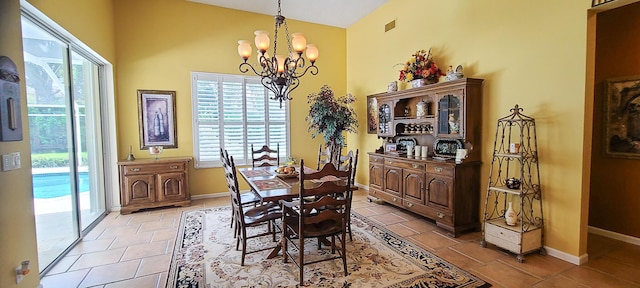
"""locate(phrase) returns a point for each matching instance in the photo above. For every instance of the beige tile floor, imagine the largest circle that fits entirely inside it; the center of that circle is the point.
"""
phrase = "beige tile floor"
(135, 251)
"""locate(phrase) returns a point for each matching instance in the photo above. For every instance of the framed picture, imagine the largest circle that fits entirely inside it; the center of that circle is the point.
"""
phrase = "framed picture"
(372, 115)
(622, 117)
(390, 147)
(157, 118)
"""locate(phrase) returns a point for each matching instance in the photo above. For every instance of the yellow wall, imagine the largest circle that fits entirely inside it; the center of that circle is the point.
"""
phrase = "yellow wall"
(17, 221)
(531, 54)
(160, 42)
(90, 21)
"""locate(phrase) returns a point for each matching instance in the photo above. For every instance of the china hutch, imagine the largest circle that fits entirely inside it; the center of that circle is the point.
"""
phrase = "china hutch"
(444, 117)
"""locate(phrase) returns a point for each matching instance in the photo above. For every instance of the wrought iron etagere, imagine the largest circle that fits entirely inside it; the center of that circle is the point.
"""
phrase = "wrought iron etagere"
(515, 159)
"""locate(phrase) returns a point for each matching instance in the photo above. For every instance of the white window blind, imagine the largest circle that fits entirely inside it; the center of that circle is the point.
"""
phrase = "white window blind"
(232, 112)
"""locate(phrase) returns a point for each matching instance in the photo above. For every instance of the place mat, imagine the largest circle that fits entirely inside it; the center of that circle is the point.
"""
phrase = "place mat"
(270, 184)
(256, 173)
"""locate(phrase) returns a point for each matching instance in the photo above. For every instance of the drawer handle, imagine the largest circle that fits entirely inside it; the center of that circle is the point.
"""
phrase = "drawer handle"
(373, 192)
(394, 199)
(174, 166)
(438, 169)
(409, 204)
(440, 215)
(416, 166)
(390, 162)
(135, 169)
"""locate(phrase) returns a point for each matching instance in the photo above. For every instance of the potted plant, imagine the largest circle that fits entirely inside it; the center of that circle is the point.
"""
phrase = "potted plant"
(331, 116)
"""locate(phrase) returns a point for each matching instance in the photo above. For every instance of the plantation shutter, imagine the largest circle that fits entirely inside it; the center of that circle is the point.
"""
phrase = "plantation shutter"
(232, 112)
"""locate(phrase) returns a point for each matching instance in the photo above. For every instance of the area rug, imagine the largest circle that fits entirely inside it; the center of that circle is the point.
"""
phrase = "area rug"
(205, 257)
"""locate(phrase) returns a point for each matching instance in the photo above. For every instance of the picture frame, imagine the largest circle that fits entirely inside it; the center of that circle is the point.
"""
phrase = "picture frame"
(372, 115)
(157, 118)
(390, 147)
(622, 117)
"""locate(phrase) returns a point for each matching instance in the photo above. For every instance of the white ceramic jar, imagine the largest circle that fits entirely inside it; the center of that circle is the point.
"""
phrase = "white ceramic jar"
(421, 109)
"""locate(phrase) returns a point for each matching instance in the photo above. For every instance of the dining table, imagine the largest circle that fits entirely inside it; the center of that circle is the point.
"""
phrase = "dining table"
(273, 187)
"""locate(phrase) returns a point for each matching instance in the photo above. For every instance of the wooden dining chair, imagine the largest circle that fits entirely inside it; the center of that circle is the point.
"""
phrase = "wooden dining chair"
(265, 156)
(321, 212)
(266, 213)
(349, 161)
(344, 163)
(324, 157)
(247, 199)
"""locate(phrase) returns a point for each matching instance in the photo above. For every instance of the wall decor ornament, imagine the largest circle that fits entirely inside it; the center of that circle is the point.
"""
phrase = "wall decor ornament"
(157, 119)
(622, 117)
(10, 111)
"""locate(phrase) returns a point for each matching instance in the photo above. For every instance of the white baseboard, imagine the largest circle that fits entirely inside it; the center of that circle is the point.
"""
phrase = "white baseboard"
(614, 235)
(209, 196)
(577, 260)
(361, 186)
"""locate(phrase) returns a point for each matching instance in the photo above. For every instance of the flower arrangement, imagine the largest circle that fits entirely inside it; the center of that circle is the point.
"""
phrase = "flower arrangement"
(331, 116)
(419, 66)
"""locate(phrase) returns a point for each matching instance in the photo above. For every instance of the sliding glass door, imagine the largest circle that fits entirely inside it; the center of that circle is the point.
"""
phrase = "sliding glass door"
(63, 100)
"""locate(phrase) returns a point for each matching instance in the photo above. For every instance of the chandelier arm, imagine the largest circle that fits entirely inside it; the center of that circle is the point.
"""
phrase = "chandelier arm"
(244, 69)
(313, 70)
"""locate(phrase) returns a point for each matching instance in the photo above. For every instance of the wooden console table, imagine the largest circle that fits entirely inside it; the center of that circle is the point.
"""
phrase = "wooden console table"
(150, 183)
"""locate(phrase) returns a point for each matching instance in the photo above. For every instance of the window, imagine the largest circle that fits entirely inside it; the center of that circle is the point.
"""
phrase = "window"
(232, 112)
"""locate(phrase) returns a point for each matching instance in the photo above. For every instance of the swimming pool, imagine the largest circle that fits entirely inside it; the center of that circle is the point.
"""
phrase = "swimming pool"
(51, 185)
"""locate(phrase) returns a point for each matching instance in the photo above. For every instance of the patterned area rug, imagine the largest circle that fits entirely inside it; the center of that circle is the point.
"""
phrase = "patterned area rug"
(205, 257)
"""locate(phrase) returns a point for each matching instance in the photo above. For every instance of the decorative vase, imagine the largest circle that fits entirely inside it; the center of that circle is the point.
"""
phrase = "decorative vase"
(418, 82)
(510, 216)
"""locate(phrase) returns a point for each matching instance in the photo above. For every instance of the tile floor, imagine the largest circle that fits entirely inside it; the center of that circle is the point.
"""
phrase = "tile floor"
(135, 251)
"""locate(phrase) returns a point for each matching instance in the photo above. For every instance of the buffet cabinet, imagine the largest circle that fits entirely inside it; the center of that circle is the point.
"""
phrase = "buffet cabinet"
(443, 191)
(440, 118)
(151, 183)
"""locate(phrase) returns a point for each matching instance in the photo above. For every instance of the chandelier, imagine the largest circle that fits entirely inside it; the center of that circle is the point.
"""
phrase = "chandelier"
(279, 74)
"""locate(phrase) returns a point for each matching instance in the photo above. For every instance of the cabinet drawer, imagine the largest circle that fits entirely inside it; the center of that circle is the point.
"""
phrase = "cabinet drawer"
(146, 169)
(441, 169)
(440, 216)
(395, 200)
(404, 164)
(511, 240)
(376, 160)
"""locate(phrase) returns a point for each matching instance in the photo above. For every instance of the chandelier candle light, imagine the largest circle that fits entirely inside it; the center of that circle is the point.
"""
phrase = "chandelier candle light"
(279, 74)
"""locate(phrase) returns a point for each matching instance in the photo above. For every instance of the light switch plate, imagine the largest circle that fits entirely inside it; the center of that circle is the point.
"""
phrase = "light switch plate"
(11, 161)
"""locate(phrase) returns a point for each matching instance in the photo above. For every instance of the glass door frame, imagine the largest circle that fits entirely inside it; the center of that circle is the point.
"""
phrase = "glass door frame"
(107, 116)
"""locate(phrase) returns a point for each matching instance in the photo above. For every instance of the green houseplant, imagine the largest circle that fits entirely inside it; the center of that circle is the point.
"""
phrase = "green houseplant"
(331, 116)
